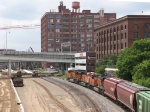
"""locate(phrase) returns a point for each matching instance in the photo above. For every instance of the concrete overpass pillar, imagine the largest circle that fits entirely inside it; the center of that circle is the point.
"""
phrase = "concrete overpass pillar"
(61, 67)
(9, 68)
(66, 67)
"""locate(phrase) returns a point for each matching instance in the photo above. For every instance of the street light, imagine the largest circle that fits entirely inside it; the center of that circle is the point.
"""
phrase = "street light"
(4, 43)
(6, 40)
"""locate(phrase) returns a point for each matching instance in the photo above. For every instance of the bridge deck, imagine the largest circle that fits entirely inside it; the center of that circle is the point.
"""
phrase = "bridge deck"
(37, 56)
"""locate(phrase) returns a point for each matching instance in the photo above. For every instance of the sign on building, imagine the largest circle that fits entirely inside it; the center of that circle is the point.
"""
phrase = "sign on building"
(66, 44)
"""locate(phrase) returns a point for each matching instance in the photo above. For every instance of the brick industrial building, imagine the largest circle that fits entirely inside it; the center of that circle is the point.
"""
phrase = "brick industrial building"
(75, 27)
(114, 36)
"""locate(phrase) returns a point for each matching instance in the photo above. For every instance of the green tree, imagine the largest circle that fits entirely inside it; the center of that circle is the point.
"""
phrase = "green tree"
(141, 73)
(131, 57)
(37, 64)
(100, 69)
(110, 59)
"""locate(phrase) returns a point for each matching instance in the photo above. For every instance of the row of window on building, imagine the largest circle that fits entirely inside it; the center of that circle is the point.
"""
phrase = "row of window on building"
(123, 36)
(111, 38)
(73, 45)
(68, 49)
(72, 16)
(118, 28)
(70, 35)
(72, 40)
(112, 47)
(146, 26)
(71, 25)
(111, 30)
(75, 21)
(70, 30)
(146, 35)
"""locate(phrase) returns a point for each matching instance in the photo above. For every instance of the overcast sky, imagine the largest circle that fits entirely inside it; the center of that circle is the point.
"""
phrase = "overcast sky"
(26, 12)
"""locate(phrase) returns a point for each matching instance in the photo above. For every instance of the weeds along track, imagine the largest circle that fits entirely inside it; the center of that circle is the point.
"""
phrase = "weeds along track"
(63, 107)
(86, 103)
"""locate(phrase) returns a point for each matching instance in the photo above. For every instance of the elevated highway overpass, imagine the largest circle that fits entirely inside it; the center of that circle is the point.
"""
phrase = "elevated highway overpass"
(17, 56)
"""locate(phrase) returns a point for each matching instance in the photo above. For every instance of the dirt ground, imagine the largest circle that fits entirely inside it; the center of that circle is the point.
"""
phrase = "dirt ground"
(7, 97)
(38, 95)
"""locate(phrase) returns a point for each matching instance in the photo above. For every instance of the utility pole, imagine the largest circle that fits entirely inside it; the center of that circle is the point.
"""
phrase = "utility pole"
(6, 41)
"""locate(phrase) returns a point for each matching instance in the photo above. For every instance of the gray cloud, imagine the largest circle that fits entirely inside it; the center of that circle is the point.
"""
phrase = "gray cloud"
(21, 10)
(30, 12)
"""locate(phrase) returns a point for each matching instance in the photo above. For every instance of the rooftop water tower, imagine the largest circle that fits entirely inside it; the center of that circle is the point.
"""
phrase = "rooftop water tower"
(75, 6)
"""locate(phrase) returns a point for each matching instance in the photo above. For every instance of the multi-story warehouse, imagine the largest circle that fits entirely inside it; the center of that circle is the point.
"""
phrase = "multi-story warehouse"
(114, 36)
(73, 27)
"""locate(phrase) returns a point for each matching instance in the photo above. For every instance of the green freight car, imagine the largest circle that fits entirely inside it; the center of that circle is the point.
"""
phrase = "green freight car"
(143, 101)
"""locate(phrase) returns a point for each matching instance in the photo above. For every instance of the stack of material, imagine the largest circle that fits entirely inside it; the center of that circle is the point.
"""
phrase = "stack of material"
(5, 72)
(35, 74)
(26, 72)
(18, 82)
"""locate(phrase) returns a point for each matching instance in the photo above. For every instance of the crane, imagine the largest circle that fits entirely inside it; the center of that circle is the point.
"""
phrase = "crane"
(31, 26)
(32, 49)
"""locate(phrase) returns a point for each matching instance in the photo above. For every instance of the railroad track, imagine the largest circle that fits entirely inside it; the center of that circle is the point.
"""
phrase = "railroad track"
(63, 95)
(86, 103)
(41, 96)
(62, 106)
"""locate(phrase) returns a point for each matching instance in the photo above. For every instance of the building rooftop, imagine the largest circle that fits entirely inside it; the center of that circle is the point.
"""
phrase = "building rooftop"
(121, 19)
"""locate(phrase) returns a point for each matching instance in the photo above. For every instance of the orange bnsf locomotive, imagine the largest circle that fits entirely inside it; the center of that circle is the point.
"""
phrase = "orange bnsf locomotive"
(131, 95)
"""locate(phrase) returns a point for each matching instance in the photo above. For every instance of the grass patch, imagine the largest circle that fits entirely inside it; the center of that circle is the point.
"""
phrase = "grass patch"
(42, 70)
(64, 76)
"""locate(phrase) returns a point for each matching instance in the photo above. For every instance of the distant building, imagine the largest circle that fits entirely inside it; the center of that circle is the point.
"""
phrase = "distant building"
(74, 27)
(114, 36)
(85, 61)
(7, 50)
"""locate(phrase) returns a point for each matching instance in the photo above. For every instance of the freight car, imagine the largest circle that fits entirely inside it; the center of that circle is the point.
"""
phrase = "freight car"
(131, 95)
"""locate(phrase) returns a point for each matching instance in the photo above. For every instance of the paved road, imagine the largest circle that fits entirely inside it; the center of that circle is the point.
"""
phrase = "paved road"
(7, 97)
